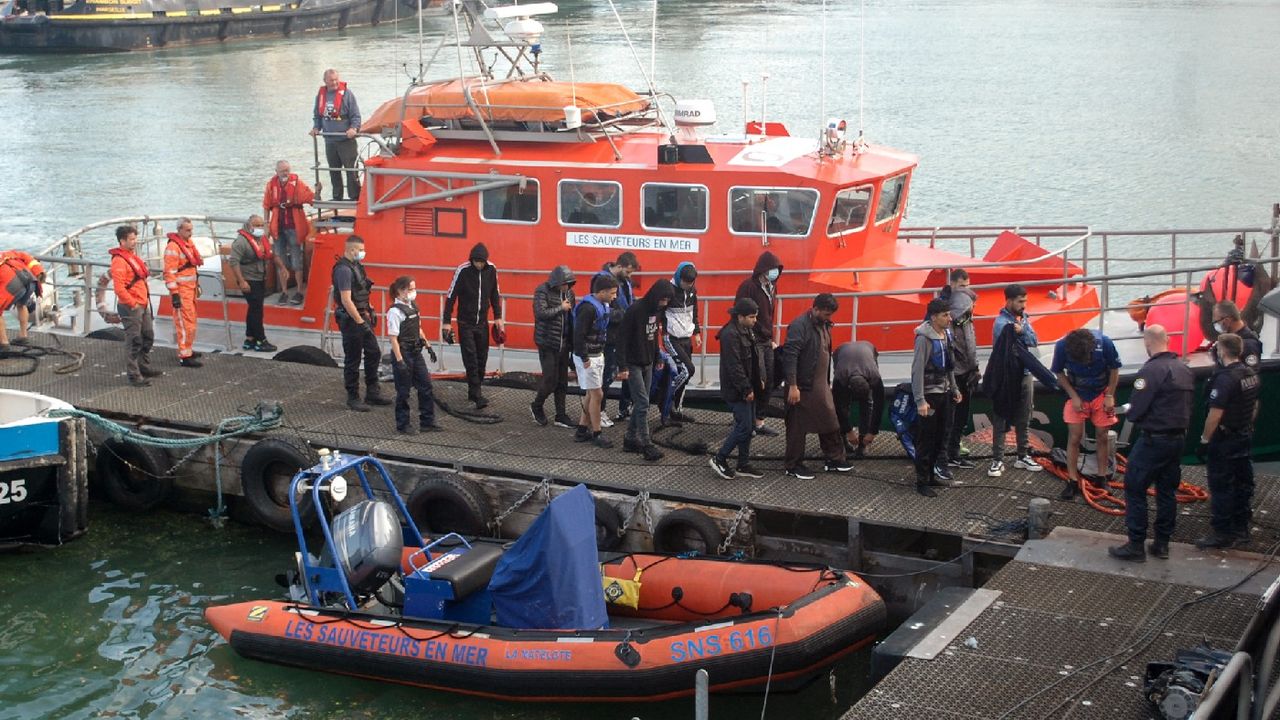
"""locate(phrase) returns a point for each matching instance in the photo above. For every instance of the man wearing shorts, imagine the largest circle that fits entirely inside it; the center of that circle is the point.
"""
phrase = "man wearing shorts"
(287, 224)
(590, 331)
(1088, 368)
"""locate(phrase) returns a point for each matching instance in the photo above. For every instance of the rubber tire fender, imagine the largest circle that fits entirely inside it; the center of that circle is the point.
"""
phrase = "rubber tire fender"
(266, 474)
(306, 355)
(135, 477)
(608, 520)
(681, 530)
(446, 504)
(107, 333)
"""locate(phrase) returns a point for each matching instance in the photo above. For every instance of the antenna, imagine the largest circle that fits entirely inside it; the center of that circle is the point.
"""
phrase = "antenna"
(457, 42)
(862, 63)
(653, 43)
(648, 79)
(822, 103)
(421, 70)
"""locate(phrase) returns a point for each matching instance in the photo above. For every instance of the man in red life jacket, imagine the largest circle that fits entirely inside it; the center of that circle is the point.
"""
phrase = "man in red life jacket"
(133, 303)
(20, 278)
(337, 117)
(181, 262)
(287, 224)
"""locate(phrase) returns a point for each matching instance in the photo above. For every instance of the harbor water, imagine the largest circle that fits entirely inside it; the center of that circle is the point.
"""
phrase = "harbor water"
(1119, 115)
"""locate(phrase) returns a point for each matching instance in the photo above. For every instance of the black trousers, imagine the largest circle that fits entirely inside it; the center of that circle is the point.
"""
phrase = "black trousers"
(684, 352)
(410, 375)
(358, 343)
(555, 376)
(343, 153)
(870, 411)
(968, 382)
(931, 432)
(253, 297)
(473, 340)
(769, 379)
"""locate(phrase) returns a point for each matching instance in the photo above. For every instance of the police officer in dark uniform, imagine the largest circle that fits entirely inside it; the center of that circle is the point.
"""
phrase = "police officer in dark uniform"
(351, 288)
(1226, 319)
(1161, 407)
(1228, 431)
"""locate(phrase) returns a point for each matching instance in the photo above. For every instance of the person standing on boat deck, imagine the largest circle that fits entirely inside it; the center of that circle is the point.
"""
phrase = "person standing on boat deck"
(620, 271)
(961, 298)
(181, 264)
(590, 330)
(1013, 315)
(1226, 439)
(806, 368)
(287, 224)
(337, 117)
(933, 385)
(20, 278)
(684, 331)
(741, 363)
(762, 287)
(553, 304)
(639, 336)
(404, 326)
(1160, 405)
(856, 378)
(475, 290)
(351, 288)
(1088, 370)
(133, 302)
(250, 255)
(1226, 319)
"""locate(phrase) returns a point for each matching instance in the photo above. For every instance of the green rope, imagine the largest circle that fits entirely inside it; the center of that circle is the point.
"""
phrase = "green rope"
(267, 416)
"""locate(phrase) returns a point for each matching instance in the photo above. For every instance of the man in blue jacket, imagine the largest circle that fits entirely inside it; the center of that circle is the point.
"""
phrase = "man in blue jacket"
(1014, 314)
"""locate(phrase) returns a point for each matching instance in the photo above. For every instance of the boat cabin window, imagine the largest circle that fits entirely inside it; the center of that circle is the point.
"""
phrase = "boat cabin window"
(590, 202)
(849, 213)
(674, 207)
(510, 204)
(779, 211)
(890, 198)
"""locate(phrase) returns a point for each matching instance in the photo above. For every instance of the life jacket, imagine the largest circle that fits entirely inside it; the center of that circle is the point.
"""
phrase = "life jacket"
(17, 284)
(600, 329)
(410, 336)
(940, 361)
(260, 246)
(139, 270)
(337, 102)
(189, 252)
(360, 284)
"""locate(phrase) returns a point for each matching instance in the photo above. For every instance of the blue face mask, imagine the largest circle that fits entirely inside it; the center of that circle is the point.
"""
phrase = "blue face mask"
(773, 274)
(359, 255)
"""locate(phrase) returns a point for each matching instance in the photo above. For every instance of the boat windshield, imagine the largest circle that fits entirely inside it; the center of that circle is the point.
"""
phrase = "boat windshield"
(675, 207)
(849, 213)
(780, 211)
(590, 202)
(890, 198)
(511, 204)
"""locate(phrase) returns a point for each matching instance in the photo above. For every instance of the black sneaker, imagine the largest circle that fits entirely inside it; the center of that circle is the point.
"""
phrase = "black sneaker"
(721, 468)
(749, 470)
(190, 362)
(139, 382)
(564, 421)
(601, 441)
(837, 466)
(961, 464)
(539, 415)
(942, 473)
(582, 434)
(355, 403)
(1216, 542)
(430, 427)
(925, 490)
(1130, 551)
(670, 422)
(622, 415)
(766, 431)
(249, 345)
(409, 430)
(1159, 548)
(681, 417)
(799, 472)
(631, 446)
(151, 372)
(651, 453)
(264, 346)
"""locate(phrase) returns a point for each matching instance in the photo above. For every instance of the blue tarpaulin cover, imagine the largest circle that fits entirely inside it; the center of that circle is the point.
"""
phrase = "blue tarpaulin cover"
(550, 578)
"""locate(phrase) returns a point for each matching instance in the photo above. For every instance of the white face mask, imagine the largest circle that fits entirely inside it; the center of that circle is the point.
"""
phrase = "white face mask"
(257, 232)
(359, 255)
(1220, 327)
(773, 274)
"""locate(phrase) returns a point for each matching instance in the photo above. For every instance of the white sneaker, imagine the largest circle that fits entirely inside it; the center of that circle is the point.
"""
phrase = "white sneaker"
(605, 421)
(996, 469)
(1026, 463)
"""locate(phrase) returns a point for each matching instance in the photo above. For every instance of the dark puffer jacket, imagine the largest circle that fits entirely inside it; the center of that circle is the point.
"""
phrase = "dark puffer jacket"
(741, 363)
(549, 326)
(763, 292)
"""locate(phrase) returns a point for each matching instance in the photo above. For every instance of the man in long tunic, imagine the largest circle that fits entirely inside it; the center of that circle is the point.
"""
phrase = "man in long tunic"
(811, 408)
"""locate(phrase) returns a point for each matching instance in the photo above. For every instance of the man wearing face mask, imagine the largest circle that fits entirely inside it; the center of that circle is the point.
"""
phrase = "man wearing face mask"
(1226, 319)
(182, 261)
(351, 288)
(247, 265)
(287, 223)
(762, 288)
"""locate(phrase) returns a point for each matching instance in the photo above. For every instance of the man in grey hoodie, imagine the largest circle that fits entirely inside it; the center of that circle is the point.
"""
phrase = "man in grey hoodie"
(933, 385)
(961, 298)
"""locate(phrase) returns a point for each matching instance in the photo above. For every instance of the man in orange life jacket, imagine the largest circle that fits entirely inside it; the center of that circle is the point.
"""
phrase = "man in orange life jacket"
(20, 278)
(287, 224)
(247, 264)
(181, 260)
(337, 118)
(133, 303)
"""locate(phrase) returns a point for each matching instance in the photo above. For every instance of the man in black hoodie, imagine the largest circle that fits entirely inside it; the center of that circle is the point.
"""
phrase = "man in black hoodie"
(475, 290)
(553, 303)
(761, 288)
(638, 338)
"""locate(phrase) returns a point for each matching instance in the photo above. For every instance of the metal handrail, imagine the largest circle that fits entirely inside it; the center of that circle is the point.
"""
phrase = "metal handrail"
(1238, 672)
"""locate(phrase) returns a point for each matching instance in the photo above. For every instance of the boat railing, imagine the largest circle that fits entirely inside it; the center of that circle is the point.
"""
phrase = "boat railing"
(1247, 679)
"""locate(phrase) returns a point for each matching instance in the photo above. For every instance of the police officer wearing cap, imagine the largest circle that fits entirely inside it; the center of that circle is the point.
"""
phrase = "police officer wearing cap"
(1160, 405)
(1226, 319)
(1228, 431)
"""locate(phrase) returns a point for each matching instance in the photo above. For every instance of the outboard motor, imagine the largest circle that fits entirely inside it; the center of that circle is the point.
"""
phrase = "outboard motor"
(1176, 688)
(369, 545)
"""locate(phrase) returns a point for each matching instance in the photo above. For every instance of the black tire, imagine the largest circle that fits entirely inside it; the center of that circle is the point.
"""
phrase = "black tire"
(108, 333)
(608, 520)
(443, 505)
(135, 477)
(266, 474)
(306, 355)
(687, 530)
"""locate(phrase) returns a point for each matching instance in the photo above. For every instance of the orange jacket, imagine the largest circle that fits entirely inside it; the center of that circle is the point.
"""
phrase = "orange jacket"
(33, 265)
(181, 258)
(293, 196)
(129, 278)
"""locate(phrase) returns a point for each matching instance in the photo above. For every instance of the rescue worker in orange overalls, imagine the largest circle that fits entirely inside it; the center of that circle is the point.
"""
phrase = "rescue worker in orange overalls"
(181, 261)
(20, 279)
(133, 302)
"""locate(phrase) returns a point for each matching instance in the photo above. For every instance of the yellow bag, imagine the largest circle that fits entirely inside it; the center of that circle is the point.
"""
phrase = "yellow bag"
(620, 591)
